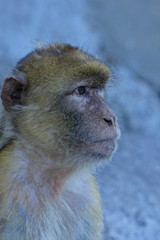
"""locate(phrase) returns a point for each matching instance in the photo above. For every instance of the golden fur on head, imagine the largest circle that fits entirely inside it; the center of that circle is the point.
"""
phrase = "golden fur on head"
(55, 61)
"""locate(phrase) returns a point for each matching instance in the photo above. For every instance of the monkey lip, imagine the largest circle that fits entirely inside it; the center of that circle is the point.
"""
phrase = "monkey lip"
(107, 141)
(104, 140)
(103, 147)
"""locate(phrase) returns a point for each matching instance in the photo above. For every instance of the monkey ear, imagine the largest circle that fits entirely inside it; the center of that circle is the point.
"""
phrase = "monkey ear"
(12, 91)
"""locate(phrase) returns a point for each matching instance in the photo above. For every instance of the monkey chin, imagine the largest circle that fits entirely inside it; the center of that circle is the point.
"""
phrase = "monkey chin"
(99, 150)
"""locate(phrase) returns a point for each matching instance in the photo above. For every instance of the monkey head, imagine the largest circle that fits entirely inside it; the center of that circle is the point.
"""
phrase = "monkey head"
(57, 99)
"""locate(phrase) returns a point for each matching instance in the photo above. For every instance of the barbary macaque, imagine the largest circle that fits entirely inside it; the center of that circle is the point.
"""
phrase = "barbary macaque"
(55, 130)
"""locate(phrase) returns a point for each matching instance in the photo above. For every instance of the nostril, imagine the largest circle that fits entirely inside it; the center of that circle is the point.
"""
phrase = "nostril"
(108, 121)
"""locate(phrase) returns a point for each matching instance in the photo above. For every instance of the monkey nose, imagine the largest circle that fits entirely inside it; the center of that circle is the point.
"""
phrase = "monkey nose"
(111, 120)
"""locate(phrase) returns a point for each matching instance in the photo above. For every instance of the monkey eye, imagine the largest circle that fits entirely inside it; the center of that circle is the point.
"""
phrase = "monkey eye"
(82, 90)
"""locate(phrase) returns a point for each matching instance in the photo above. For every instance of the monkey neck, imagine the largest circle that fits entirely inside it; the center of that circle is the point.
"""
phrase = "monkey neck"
(35, 188)
(42, 172)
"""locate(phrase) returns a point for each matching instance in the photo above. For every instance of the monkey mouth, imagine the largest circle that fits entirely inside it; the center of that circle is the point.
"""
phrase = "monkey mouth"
(101, 141)
(108, 144)
(100, 148)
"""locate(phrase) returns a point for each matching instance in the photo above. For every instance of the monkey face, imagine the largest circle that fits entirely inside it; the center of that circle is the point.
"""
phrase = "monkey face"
(91, 124)
(77, 122)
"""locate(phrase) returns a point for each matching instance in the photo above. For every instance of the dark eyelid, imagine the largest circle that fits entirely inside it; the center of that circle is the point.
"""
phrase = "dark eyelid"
(86, 86)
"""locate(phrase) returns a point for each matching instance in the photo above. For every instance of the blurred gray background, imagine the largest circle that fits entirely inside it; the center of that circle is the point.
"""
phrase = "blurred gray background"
(125, 34)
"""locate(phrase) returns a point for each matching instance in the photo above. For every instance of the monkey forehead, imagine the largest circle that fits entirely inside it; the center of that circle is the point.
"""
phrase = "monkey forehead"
(62, 64)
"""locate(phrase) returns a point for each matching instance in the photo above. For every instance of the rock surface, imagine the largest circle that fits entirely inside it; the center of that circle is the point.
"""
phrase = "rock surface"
(130, 32)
